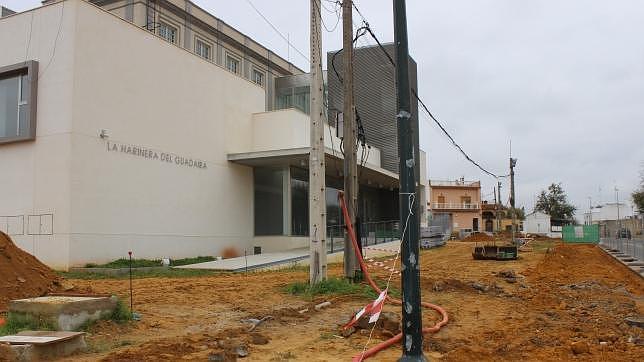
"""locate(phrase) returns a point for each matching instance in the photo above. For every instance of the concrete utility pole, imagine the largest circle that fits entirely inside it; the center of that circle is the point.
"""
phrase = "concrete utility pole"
(317, 195)
(351, 266)
(513, 162)
(412, 341)
(619, 221)
(496, 210)
(498, 207)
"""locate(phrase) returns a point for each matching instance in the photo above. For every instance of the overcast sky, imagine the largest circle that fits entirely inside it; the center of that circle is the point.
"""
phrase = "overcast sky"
(564, 80)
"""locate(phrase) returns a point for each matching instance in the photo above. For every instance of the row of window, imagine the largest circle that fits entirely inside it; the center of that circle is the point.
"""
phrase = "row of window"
(204, 50)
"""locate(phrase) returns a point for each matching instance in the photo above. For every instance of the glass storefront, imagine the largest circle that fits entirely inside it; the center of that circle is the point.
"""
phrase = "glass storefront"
(282, 202)
(269, 200)
(299, 202)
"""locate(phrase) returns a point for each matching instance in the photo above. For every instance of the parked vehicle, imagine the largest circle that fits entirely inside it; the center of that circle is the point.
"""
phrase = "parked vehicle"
(624, 233)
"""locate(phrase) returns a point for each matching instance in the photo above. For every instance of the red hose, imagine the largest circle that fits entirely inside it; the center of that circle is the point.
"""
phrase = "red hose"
(386, 344)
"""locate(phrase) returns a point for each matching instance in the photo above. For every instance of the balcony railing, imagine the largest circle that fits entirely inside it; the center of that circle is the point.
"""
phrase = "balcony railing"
(372, 233)
(455, 206)
(461, 183)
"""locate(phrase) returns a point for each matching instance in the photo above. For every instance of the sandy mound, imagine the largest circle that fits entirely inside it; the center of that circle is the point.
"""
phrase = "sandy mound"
(21, 274)
(479, 237)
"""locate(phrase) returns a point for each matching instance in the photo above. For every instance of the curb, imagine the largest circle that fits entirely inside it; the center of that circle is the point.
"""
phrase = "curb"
(117, 271)
(634, 265)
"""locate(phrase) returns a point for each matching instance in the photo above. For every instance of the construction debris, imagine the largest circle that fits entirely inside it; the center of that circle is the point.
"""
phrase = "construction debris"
(322, 305)
(255, 322)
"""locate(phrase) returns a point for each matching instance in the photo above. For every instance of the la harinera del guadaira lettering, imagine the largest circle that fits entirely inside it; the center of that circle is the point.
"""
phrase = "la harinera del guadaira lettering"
(155, 155)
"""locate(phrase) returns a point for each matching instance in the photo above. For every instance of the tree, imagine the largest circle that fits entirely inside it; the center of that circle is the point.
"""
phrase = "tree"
(555, 203)
(506, 213)
(638, 195)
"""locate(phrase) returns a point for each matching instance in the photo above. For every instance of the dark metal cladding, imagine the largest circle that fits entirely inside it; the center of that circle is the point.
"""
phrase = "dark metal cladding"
(375, 98)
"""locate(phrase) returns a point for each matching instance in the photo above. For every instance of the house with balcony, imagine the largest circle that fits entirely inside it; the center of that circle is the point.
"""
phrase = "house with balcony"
(460, 200)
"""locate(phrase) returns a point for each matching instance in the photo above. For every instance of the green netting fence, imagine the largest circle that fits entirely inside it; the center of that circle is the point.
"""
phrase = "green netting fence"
(581, 234)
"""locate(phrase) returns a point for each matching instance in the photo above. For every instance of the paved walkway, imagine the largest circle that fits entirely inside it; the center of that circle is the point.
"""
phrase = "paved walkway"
(295, 256)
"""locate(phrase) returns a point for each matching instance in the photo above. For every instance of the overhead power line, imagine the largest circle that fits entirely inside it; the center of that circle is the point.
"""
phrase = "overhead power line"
(277, 31)
(367, 28)
(456, 145)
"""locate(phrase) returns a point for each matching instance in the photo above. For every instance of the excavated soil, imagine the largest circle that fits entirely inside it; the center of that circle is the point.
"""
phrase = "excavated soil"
(21, 274)
(479, 237)
(557, 302)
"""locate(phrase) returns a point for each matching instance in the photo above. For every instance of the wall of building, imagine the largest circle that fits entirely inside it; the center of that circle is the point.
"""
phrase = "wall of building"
(453, 194)
(35, 176)
(158, 96)
(462, 215)
(537, 223)
(149, 95)
(192, 23)
(609, 228)
(290, 129)
(608, 211)
(465, 220)
(375, 97)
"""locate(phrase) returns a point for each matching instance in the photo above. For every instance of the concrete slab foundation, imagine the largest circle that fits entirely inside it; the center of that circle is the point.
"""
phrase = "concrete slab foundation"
(65, 313)
(296, 256)
(41, 345)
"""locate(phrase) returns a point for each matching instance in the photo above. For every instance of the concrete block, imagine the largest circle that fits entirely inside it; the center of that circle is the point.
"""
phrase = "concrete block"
(65, 313)
(30, 346)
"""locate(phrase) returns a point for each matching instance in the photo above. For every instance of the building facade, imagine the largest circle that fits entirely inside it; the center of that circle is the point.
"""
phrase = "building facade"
(460, 199)
(608, 211)
(613, 216)
(376, 109)
(537, 223)
(186, 25)
(119, 137)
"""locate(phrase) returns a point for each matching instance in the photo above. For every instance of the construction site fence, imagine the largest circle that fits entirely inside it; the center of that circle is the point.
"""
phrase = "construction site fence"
(371, 233)
(580, 234)
(631, 247)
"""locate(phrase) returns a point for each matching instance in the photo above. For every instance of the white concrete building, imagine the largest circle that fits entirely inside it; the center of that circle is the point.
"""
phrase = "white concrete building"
(537, 223)
(114, 139)
(607, 212)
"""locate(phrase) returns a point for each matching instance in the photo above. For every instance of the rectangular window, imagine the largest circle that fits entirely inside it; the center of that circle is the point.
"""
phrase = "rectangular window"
(203, 49)
(168, 32)
(18, 102)
(232, 64)
(302, 99)
(258, 77)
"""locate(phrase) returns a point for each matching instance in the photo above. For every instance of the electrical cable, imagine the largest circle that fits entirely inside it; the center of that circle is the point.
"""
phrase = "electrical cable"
(31, 25)
(53, 53)
(277, 31)
(338, 17)
(456, 145)
(431, 116)
(372, 351)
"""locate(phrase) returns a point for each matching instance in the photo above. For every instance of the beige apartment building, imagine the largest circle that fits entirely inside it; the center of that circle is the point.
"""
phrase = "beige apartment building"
(460, 199)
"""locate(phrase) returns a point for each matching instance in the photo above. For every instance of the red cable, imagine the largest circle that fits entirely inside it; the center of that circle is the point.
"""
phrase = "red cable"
(386, 344)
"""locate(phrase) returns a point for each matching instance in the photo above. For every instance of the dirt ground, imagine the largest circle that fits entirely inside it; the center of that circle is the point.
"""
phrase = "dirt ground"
(21, 274)
(550, 298)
